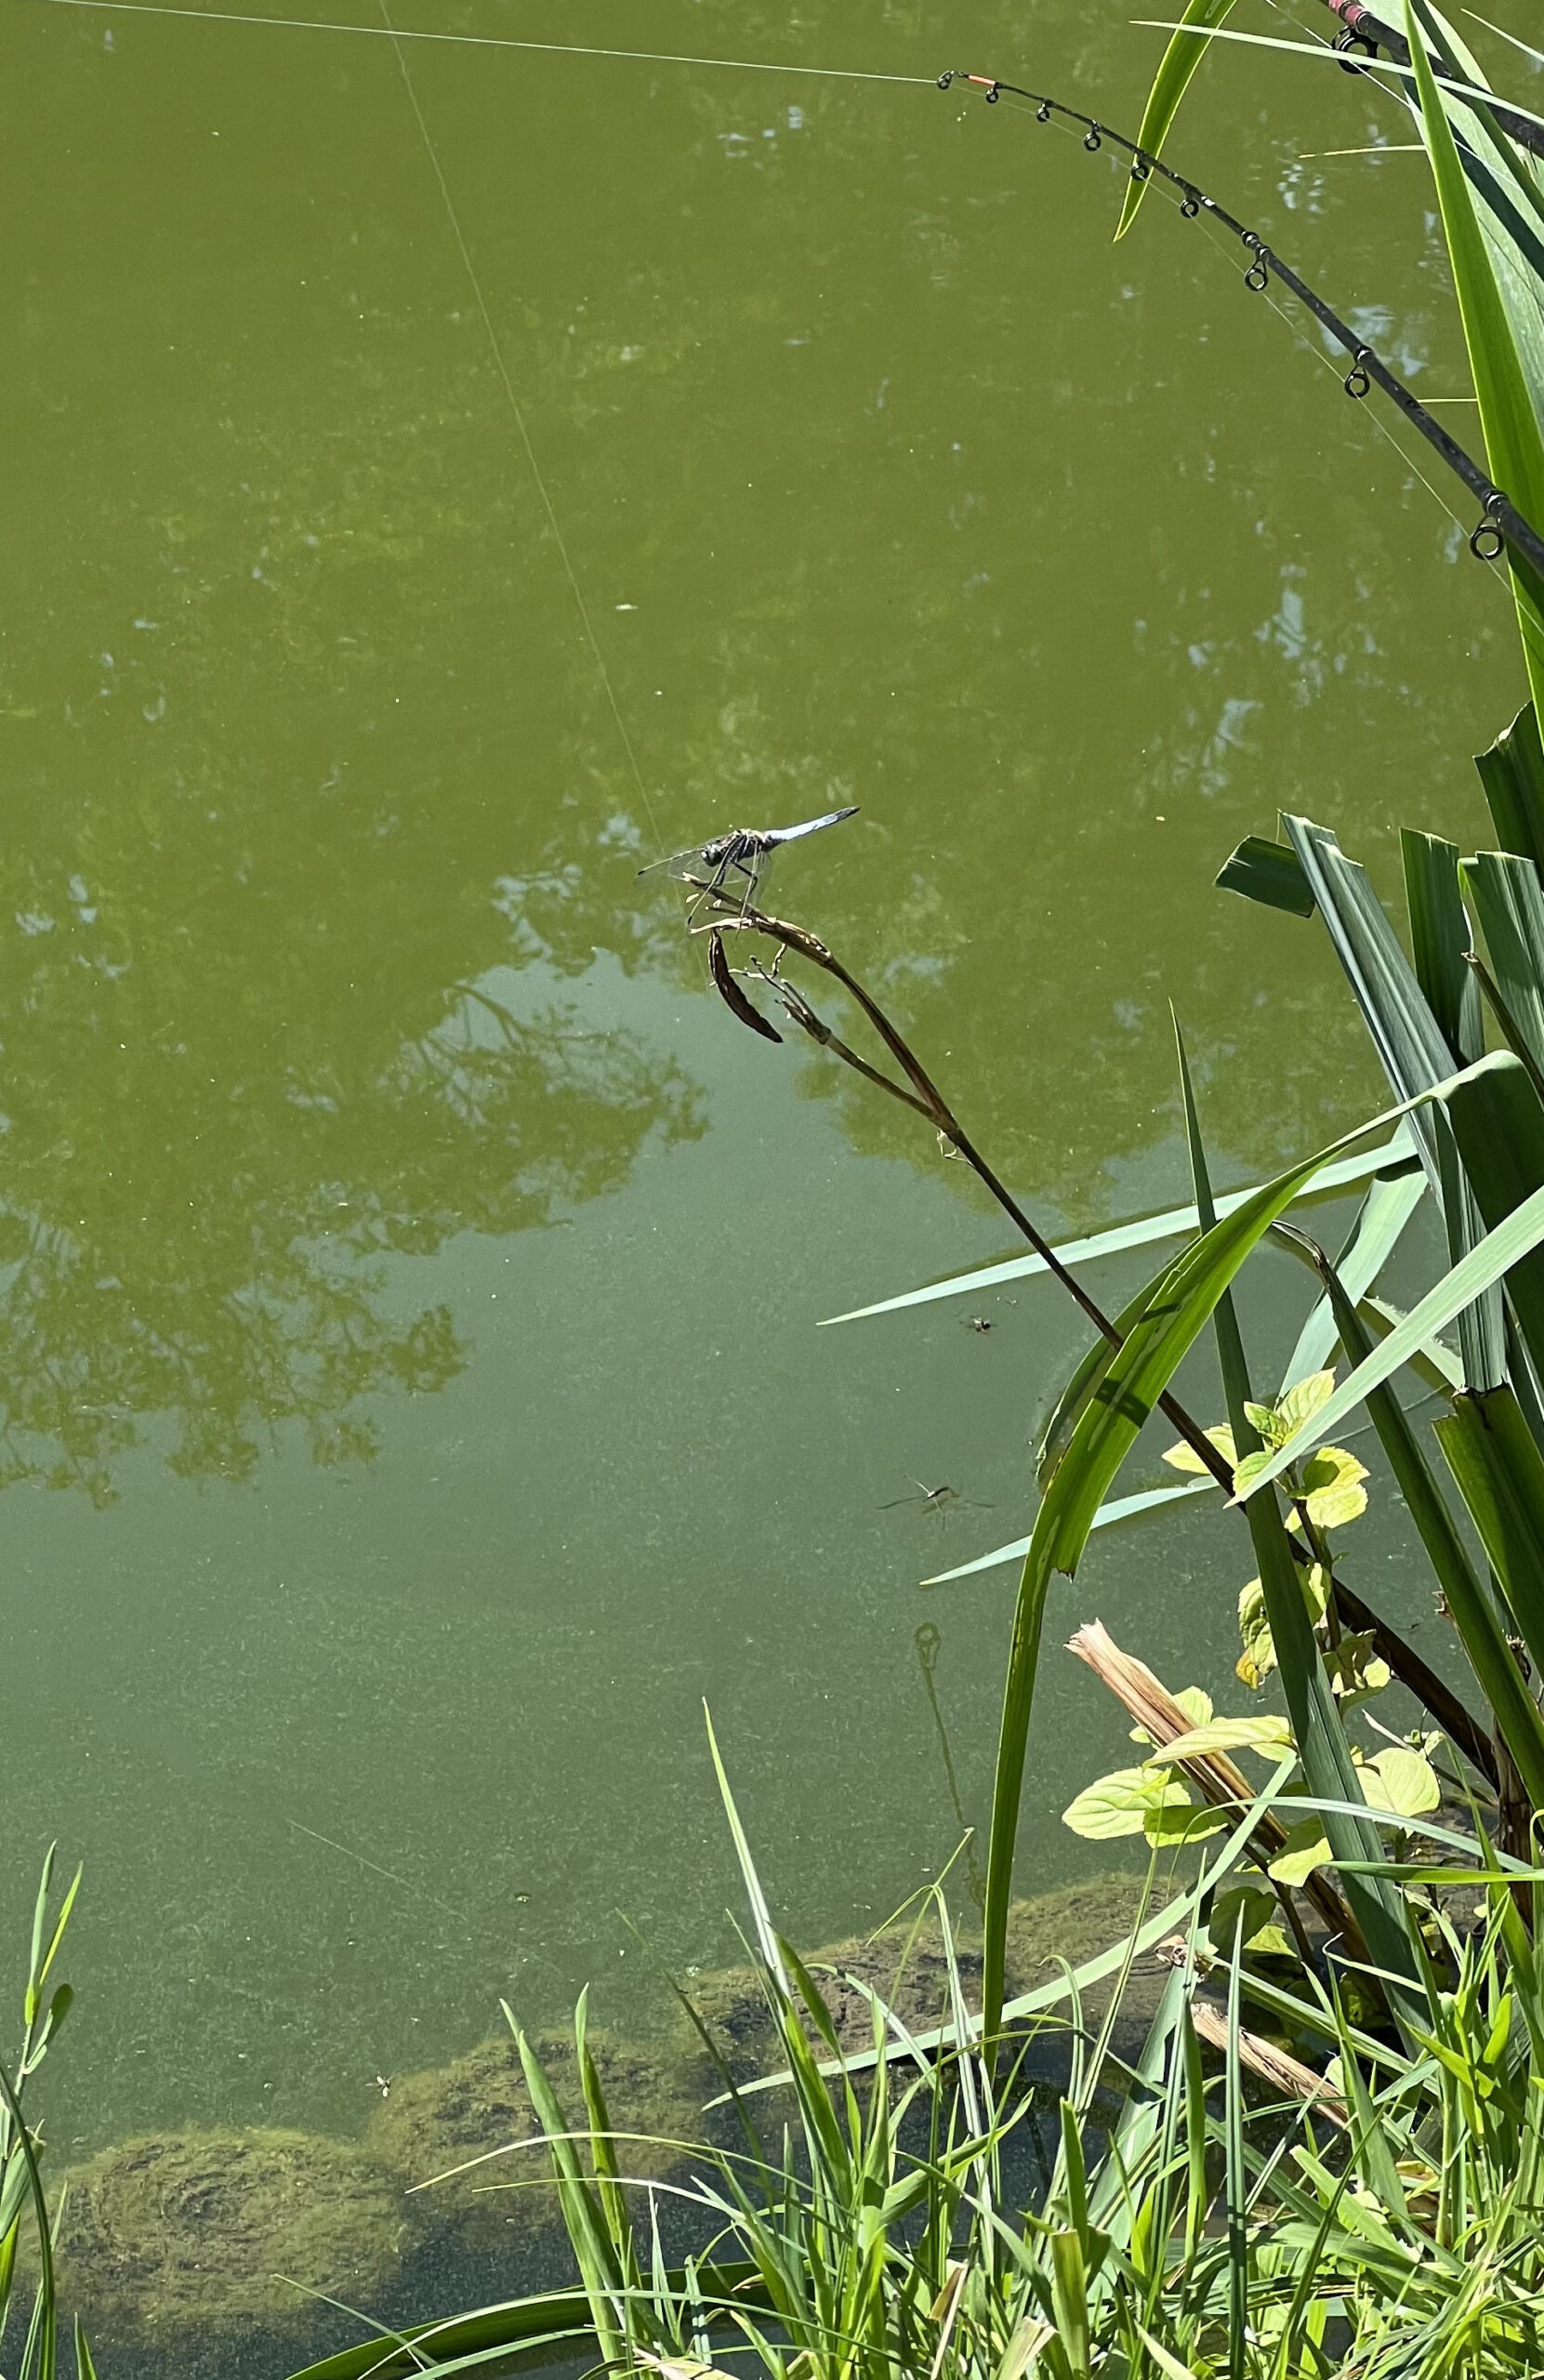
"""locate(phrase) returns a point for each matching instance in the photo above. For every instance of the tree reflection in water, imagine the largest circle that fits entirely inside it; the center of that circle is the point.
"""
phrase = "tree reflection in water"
(213, 1149)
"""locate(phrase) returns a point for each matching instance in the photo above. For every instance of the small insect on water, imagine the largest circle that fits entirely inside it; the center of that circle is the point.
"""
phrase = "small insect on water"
(384, 2081)
(935, 1500)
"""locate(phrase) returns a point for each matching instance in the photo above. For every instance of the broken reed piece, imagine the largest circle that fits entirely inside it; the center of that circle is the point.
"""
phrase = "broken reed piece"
(1219, 1780)
(1288, 2075)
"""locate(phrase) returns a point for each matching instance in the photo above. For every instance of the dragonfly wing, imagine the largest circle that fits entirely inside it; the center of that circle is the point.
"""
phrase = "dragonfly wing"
(683, 866)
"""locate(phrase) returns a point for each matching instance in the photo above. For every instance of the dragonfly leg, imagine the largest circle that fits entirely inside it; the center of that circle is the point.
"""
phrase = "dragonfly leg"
(710, 895)
(750, 869)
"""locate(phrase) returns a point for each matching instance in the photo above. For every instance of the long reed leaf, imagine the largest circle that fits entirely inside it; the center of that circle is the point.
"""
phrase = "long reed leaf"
(1180, 60)
(1176, 1223)
(1489, 1262)
(1181, 1304)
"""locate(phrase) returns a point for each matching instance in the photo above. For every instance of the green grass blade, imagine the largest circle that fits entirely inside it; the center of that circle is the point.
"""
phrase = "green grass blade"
(592, 2250)
(1236, 2180)
(40, 1915)
(1511, 773)
(1178, 1222)
(45, 2324)
(1179, 62)
(602, 2149)
(766, 1937)
(1489, 1262)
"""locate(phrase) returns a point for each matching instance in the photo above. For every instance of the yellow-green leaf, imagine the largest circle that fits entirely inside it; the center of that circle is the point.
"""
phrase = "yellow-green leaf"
(1306, 1848)
(1304, 1399)
(1263, 1419)
(1401, 1782)
(1270, 1734)
(1249, 1471)
(1184, 1457)
(1258, 1658)
(1336, 1495)
(1172, 1824)
(1354, 1670)
(1120, 1802)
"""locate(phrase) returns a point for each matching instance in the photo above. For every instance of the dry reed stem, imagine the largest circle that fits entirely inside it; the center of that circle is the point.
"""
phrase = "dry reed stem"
(1276, 2065)
(1219, 1780)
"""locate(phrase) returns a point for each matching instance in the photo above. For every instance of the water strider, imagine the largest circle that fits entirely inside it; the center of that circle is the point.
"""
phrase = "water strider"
(935, 1500)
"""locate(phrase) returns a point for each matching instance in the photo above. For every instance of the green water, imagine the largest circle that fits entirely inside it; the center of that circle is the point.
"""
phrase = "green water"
(415, 1408)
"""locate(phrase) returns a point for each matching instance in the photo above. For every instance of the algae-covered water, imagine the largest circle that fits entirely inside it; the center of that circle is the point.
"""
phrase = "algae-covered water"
(442, 476)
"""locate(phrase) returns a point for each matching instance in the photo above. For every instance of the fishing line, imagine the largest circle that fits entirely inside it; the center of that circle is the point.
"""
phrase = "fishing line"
(1306, 347)
(1500, 526)
(1316, 355)
(515, 407)
(482, 41)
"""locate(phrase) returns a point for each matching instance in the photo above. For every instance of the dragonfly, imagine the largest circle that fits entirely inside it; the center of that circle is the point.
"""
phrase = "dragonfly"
(726, 871)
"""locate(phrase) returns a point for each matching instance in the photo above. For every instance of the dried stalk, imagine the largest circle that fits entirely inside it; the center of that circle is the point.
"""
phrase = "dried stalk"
(925, 1097)
(921, 1093)
(1276, 2065)
(1219, 1780)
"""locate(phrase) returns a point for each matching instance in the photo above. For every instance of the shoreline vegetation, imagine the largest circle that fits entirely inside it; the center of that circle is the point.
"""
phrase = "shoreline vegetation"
(180, 2249)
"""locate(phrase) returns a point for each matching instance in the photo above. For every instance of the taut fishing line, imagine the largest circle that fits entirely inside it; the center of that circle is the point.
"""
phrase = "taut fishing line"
(1500, 529)
(517, 411)
(486, 41)
(1305, 346)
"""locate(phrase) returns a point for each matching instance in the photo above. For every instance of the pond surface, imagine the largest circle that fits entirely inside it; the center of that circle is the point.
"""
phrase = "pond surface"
(441, 478)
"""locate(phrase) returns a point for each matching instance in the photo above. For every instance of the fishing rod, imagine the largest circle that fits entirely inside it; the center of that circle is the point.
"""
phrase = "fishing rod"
(1501, 528)
(1365, 35)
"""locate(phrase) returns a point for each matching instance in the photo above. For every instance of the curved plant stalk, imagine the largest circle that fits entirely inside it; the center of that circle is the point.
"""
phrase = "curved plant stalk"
(1382, 1919)
(1136, 1382)
(921, 1093)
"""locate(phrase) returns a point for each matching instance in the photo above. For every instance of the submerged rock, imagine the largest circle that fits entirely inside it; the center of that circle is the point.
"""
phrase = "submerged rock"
(441, 2118)
(178, 2241)
(908, 1971)
(1075, 1923)
(192, 2231)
